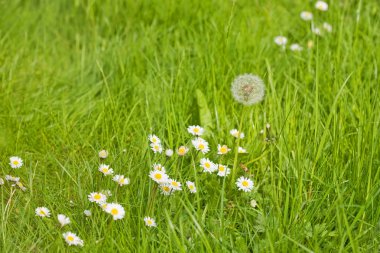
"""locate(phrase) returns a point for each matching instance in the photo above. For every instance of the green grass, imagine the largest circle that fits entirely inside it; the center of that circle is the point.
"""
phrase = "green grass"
(80, 76)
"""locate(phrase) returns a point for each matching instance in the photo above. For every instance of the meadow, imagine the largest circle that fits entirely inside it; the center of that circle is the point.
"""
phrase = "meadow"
(78, 77)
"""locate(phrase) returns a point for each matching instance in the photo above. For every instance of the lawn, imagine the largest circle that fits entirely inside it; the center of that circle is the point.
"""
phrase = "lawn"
(81, 76)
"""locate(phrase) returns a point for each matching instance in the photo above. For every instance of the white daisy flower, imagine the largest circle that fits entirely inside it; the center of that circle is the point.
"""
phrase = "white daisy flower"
(103, 206)
(159, 176)
(191, 186)
(296, 47)
(116, 210)
(154, 139)
(306, 15)
(322, 6)
(169, 152)
(242, 150)
(223, 170)
(97, 197)
(327, 27)
(235, 133)
(103, 154)
(42, 212)
(316, 31)
(207, 165)
(150, 222)
(201, 145)
(222, 150)
(166, 189)
(121, 180)
(1, 181)
(87, 213)
(156, 147)
(175, 185)
(157, 166)
(21, 186)
(182, 150)
(11, 178)
(15, 162)
(72, 239)
(63, 219)
(280, 40)
(244, 184)
(195, 130)
(105, 169)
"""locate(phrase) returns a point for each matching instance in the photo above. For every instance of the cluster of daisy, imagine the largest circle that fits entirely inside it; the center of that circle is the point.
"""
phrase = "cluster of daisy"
(70, 237)
(15, 163)
(107, 171)
(317, 30)
(169, 186)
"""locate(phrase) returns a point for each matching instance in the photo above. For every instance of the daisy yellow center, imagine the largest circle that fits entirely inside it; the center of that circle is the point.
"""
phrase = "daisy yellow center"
(166, 188)
(42, 212)
(221, 168)
(245, 183)
(114, 211)
(207, 165)
(149, 222)
(201, 146)
(70, 238)
(174, 183)
(156, 147)
(191, 187)
(105, 170)
(15, 162)
(223, 149)
(196, 130)
(154, 140)
(181, 151)
(121, 180)
(158, 176)
(97, 196)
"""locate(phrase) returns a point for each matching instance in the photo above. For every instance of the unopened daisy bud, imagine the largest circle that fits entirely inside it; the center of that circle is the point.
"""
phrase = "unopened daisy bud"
(72, 239)
(253, 203)
(150, 222)
(248, 89)
(182, 150)
(169, 152)
(63, 219)
(191, 186)
(15, 162)
(327, 27)
(322, 6)
(306, 15)
(87, 213)
(103, 154)
(42, 212)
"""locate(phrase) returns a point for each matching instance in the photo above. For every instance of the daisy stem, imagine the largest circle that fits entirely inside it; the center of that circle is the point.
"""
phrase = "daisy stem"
(234, 168)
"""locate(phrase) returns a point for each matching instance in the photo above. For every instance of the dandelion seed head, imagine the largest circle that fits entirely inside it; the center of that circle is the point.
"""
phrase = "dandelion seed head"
(248, 89)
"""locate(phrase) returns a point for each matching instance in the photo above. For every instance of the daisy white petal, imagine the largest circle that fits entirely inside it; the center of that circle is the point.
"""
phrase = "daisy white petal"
(154, 139)
(223, 170)
(306, 15)
(15, 162)
(201, 145)
(195, 130)
(280, 40)
(182, 150)
(207, 165)
(242, 150)
(42, 212)
(223, 149)
(322, 6)
(191, 186)
(235, 133)
(63, 219)
(169, 152)
(150, 222)
(156, 147)
(159, 176)
(97, 197)
(87, 213)
(116, 210)
(72, 239)
(121, 180)
(103, 154)
(244, 184)
(105, 169)
(175, 185)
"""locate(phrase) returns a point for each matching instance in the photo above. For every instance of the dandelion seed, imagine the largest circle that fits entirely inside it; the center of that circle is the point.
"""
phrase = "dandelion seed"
(235, 133)
(191, 186)
(242, 150)
(195, 130)
(222, 150)
(280, 40)
(201, 145)
(105, 169)
(208, 166)
(322, 6)
(157, 166)
(12, 178)
(154, 139)
(159, 176)
(248, 89)
(182, 150)
(165, 189)
(63, 219)
(121, 180)
(175, 185)
(169, 152)
(103, 154)
(156, 147)
(42, 212)
(72, 239)
(296, 47)
(244, 184)
(150, 222)
(116, 210)
(306, 15)
(87, 213)
(15, 162)
(97, 197)
(327, 27)
(223, 170)
(21, 186)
